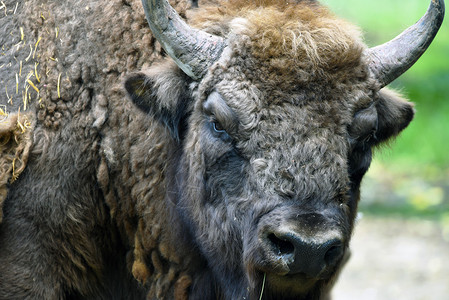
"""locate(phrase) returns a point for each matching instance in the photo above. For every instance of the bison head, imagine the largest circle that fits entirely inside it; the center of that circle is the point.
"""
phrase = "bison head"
(274, 109)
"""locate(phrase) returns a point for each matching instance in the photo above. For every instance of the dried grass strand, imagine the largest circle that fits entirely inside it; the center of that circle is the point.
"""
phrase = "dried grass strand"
(263, 285)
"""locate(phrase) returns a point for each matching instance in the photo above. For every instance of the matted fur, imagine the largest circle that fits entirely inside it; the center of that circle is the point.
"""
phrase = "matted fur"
(101, 216)
(15, 144)
(88, 189)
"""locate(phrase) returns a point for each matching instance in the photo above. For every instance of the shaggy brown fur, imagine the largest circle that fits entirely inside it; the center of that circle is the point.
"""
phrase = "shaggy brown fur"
(86, 60)
(101, 216)
(292, 81)
(305, 34)
(15, 144)
(294, 44)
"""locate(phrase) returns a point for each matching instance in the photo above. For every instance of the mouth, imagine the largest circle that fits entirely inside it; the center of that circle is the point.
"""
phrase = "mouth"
(277, 283)
(297, 286)
(291, 284)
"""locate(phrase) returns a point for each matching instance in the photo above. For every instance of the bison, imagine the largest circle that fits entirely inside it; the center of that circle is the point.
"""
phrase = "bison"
(229, 169)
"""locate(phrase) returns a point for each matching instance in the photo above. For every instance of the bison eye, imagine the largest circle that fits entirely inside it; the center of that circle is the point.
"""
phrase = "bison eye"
(218, 131)
(369, 137)
(218, 128)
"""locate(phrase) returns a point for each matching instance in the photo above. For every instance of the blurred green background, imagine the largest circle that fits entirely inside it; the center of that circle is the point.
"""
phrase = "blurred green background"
(410, 177)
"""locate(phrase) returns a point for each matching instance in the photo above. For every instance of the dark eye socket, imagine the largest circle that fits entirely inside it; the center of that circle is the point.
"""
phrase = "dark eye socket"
(218, 127)
(218, 131)
(370, 136)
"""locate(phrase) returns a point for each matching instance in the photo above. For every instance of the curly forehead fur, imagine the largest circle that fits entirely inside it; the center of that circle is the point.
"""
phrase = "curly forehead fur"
(299, 41)
(282, 58)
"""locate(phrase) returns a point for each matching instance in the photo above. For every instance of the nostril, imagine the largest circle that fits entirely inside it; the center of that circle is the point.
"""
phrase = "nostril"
(288, 251)
(281, 247)
(334, 252)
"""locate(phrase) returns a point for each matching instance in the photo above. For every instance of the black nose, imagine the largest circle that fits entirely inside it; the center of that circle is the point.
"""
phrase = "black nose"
(304, 256)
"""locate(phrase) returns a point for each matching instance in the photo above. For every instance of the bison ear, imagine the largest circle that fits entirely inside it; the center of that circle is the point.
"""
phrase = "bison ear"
(394, 114)
(163, 93)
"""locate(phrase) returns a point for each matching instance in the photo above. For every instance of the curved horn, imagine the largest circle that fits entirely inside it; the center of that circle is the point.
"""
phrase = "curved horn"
(193, 50)
(390, 60)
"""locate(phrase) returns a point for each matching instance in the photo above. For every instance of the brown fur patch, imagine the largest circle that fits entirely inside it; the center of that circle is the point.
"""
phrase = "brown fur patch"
(15, 144)
(140, 271)
(294, 42)
(182, 287)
